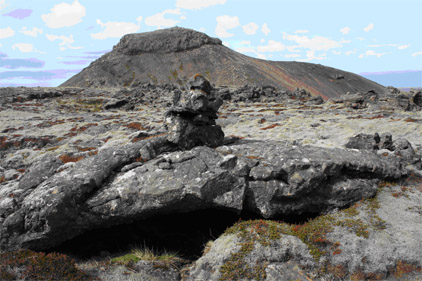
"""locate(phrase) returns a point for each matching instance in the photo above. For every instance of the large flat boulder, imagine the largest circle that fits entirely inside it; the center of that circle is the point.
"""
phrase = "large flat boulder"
(113, 187)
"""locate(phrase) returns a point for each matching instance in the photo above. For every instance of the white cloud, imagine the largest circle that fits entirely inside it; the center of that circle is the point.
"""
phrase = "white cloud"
(160, 21)
(225, 23)
(265, 29)
(250, 28)
(417, 54)
(345, 30)
(316, 43)
(383, 45)
(197, 4)
(372, 53)
(2, 4)
(292, 56)
(6, 32)
(24, 47)
(112, 29)
(400, 47)
(311, 56)
(139, 19)
(66, 41)
(251, 50)
(345, 41)
(31, 32)
(64, 14)
(369, 27)
(348, 53)
(272, 46)
(302, 31)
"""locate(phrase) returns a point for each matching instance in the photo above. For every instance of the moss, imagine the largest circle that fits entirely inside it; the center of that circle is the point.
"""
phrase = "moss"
(356, 225)
(29, 265)
(402, 268)
(126, 259)
(163, 260)
(313, 233)
(174, 75)
(251, 232)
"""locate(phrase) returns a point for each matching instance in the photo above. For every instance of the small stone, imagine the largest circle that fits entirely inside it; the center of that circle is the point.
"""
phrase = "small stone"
(164, 165)
(228, 162)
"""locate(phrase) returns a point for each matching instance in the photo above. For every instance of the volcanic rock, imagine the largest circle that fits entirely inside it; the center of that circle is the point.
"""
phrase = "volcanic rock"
(191, 120)
(269, 179)
(385, 144)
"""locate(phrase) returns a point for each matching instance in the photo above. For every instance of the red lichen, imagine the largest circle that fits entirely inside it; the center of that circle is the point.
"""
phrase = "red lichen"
(271, 126)
(136, 126)
(66, 158)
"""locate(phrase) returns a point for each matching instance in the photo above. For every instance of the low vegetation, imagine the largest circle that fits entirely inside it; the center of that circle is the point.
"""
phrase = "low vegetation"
(29, 265)
(162, 259)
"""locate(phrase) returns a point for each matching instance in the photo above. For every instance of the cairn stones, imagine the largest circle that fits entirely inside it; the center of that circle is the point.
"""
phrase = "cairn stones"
(191, 120)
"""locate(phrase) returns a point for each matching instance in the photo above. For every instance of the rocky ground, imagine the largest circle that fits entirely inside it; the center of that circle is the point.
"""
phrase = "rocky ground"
(347, 213)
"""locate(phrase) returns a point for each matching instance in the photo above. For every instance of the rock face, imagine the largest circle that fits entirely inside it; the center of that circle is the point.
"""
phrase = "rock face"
(174, 55)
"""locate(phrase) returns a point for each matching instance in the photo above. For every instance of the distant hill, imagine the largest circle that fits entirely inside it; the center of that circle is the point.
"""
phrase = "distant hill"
(398, 79)
(175, 54)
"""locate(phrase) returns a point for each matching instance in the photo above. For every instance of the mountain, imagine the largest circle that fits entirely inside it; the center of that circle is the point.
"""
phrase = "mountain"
(175, 54)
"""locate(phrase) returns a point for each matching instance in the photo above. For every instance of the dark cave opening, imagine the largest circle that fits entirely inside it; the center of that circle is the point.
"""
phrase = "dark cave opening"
(183, 233)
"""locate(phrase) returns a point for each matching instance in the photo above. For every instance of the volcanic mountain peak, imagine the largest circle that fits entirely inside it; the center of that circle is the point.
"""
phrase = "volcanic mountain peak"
(171, 56)
(169, 40)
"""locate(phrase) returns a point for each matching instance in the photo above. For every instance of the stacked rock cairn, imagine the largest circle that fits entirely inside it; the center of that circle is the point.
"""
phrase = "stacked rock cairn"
(191, 120)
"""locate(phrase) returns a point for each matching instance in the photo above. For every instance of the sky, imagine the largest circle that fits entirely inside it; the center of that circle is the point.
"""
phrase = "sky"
(45, 42)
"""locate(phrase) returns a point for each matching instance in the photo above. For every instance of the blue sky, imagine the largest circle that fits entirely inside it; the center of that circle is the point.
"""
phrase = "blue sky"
(43, 43)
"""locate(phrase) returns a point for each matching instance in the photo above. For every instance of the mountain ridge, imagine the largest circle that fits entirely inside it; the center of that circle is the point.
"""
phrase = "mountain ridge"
(173, 55)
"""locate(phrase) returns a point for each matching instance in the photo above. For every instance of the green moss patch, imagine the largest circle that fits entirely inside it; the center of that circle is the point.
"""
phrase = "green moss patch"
(251, 232)
(163, 259)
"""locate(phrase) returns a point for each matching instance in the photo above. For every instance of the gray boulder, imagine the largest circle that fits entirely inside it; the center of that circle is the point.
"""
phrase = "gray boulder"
(267, 178)
(287, 179)
(264, 258)
(417, 99)
(400, 148)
